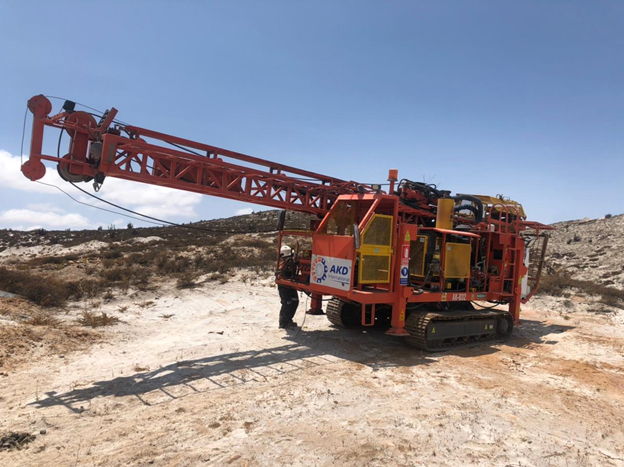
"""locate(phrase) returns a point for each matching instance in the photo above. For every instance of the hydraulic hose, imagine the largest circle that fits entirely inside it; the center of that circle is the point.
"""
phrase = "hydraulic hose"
(468, 207)
(477, 209)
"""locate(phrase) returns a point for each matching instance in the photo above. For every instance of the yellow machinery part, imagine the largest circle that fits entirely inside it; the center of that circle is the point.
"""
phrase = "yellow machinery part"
(490, 201)
(374, 269)
(444, 217)
(378, 232)
(457, 260)
(376, 251)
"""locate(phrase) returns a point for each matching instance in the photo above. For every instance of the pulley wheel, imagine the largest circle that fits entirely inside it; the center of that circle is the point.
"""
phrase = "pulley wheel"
(63, 171)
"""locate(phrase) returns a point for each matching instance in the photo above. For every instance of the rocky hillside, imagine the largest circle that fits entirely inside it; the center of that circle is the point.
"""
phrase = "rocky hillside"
(264, 221)
(584, 256)
(589, 250)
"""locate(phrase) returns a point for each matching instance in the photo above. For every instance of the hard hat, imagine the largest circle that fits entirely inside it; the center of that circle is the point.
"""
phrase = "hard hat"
(286, 251)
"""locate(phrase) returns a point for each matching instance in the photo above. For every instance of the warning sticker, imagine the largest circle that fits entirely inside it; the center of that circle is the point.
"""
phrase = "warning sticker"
(404, 279)
(404, 275)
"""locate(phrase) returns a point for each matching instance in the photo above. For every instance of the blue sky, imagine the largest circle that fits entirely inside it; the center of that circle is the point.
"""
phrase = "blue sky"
(523, 98)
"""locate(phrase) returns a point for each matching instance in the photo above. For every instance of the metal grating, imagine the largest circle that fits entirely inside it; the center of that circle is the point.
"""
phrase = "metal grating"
(418, 250)
(375, 268)
(341, 218)
(379, 231)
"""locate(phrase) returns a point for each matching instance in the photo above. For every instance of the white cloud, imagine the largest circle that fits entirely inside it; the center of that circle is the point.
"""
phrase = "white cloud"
(49, 219)
(118, 223)
(44, 207)
(243, 211)
(11, 176)
(152, 200)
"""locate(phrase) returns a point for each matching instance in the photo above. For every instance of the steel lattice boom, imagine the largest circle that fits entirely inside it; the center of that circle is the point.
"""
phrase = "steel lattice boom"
(106, 149)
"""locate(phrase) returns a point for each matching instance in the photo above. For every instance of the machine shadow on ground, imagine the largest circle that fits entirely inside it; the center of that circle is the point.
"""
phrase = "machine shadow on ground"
(227, 370)
(532, 332)
(305, 349)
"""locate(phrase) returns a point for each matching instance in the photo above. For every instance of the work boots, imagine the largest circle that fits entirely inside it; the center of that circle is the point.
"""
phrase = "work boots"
(288, 325)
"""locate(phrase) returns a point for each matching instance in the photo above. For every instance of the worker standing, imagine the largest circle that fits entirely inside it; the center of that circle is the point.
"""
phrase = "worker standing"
(288, 295)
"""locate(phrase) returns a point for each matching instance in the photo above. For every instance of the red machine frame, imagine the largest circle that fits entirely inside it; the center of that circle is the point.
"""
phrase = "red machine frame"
(110, 149)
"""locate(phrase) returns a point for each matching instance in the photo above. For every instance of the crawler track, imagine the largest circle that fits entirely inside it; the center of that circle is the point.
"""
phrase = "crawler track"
(334, 307)
(342, 314)
(437, 331)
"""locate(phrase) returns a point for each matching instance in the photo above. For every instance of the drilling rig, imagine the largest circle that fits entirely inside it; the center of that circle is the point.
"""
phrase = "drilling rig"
(431, 267)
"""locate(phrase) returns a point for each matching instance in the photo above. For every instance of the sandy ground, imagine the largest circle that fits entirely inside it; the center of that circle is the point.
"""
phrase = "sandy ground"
(217, 383)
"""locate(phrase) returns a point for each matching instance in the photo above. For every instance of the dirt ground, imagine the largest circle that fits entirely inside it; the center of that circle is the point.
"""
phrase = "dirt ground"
(204, 377)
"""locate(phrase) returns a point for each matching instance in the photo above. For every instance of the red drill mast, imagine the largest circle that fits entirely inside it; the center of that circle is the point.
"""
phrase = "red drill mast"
(105, 148)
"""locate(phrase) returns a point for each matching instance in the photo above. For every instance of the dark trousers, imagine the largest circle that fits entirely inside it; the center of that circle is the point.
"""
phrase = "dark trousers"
(290, 302)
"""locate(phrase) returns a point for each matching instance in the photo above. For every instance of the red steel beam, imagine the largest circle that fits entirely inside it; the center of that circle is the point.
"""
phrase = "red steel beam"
(142, 155)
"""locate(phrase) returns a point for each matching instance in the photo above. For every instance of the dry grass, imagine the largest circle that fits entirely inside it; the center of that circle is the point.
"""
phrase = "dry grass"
(94, 320)
(177, 260)
(39, 289)
(561, 286)
(252, 242)
(186, 280)
(18, 343)
(16, 340)
(43, 319)
(182, 255)
(229, 257)
(612, 301)
(45, 290)
(85, 288)
(60, 260)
